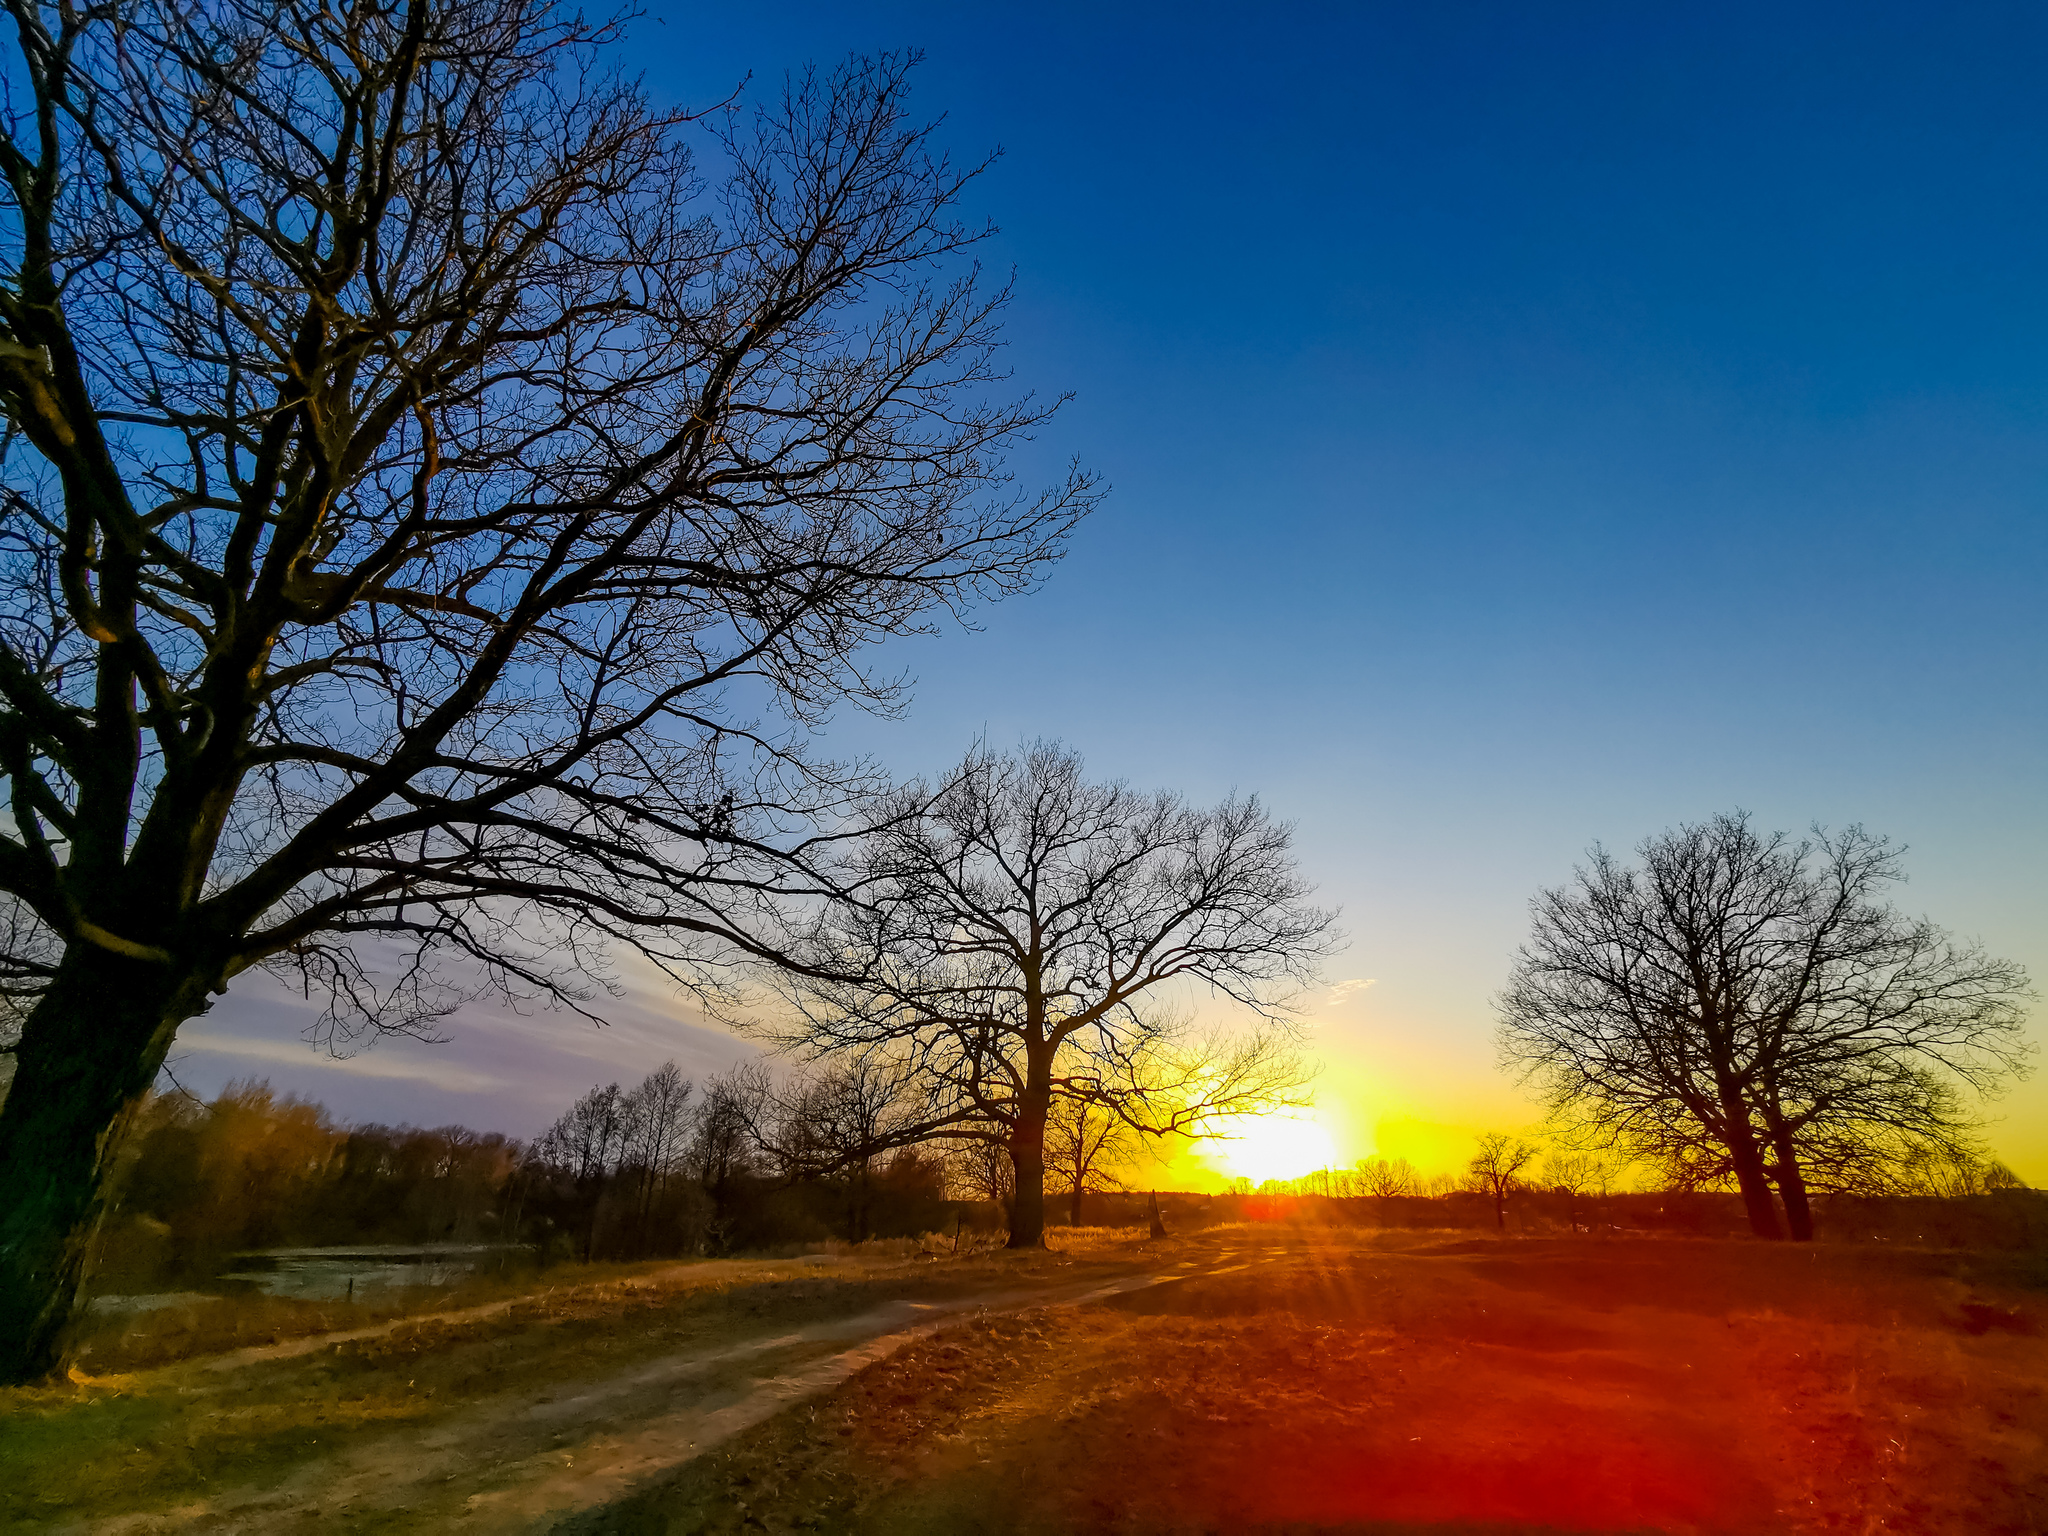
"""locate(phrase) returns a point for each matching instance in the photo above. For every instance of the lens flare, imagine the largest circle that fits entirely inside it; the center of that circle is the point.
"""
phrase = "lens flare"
(1277, 1147)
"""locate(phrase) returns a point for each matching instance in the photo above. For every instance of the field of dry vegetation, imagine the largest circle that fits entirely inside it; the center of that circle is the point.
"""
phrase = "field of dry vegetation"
(1310, 1384)
(1257, 1377)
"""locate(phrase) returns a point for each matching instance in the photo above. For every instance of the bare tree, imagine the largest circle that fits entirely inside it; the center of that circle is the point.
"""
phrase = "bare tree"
(657, 1116)
(838, 1121)
(618, 1156)
(431, 519)
(1004, 928)
(1948, 1173)
(1085, 1145)
(1497, 1169)
(985, 1170)
(1575, 1175)
(586, 1144)
(724, 1150)
(1384, 1178)
(1747, 1008)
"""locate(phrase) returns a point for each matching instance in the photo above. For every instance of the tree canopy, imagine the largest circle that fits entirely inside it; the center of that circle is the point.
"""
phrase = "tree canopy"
(437, 502)
(1007, 935)
(1747, 1007)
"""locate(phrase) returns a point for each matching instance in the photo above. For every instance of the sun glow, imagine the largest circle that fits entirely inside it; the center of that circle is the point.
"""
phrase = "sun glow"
(1277, 1147)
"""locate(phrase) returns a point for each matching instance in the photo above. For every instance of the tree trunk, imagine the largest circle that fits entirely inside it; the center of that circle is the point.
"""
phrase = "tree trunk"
(1500, 1208)
(1027, 1157)
(590, 1232)
(89, 1051)
(1027, 1149)
(859, 1224)
(1074, 1206)
(1755, 1185)
(1737, 1134)
(1792, 1190)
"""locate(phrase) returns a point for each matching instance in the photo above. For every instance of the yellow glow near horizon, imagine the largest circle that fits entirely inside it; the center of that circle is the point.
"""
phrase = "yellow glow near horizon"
(1276, 1147)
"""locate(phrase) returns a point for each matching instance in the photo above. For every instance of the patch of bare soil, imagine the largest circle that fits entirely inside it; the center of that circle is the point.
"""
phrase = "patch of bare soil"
(1671, 1386)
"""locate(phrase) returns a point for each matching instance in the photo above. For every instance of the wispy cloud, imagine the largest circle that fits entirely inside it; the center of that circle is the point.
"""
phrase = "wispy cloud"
(406, 1066)
(1344, 989)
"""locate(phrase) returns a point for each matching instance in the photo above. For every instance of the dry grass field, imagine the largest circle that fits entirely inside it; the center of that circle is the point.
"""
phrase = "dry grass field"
(1255, 1378)
(1334, 1384)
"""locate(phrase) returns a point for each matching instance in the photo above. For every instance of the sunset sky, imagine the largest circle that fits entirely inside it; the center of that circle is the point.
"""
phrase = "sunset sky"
(1528, 427)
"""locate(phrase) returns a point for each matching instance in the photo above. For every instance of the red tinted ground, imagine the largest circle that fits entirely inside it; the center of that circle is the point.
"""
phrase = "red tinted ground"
(1574, 1386)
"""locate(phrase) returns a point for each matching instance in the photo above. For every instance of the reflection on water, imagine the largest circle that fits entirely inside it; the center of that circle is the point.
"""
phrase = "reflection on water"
(326, 1274)
(360, 1272)
(148, 1303)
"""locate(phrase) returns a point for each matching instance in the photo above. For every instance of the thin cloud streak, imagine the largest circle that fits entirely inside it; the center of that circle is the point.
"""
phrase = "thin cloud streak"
(297, 1053)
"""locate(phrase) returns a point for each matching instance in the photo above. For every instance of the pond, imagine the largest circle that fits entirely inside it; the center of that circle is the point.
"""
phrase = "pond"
(357, 1272)
(332, 1274)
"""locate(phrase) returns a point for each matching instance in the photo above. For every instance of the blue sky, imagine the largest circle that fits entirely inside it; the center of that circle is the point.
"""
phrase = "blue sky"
(1527, 426)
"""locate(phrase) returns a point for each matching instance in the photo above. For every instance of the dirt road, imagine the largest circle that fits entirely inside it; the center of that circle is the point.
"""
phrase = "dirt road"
(1244, 1380)
(522, 1448)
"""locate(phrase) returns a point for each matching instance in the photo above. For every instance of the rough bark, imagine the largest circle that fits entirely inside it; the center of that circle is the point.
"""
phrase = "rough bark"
(1792, 1190)
(1027, 1212)
(1027, 1153)
(1755, 1185)
(89, 1051)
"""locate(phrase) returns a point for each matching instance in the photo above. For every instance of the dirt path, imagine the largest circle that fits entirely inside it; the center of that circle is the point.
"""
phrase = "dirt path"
(519, 1463)
(314, 1343)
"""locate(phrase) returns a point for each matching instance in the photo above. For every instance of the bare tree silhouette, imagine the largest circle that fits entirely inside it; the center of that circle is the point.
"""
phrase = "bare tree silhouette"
(1085, 1145)
(1385, 1178)
(432, 518)
(1497, 1167)
(1747, 1007)
(1575, 1175)
(1003, 929)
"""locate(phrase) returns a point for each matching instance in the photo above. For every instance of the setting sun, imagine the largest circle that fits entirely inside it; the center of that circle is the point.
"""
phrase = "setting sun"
(1277, 1147)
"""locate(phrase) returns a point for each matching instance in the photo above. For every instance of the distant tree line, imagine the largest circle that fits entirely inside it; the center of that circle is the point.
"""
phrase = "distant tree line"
(199, 1183)
(670, 1168)
(665, 1168)
(1577, 1185)
(747, 1161)
(1997, 1218)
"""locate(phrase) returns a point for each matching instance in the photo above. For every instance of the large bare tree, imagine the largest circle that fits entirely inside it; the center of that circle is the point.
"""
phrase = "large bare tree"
(1002, 933)
(433, 511)
(1747, 1007)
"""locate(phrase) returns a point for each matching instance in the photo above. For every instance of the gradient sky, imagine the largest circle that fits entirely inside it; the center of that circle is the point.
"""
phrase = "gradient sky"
(1528, 426)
